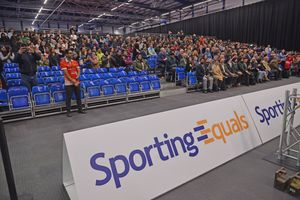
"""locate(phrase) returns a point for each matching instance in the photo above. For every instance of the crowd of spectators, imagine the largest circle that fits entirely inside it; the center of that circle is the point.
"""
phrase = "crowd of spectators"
(218, 64)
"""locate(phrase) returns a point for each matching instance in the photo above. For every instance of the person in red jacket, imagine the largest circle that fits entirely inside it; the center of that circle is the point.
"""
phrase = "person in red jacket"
(72, 72)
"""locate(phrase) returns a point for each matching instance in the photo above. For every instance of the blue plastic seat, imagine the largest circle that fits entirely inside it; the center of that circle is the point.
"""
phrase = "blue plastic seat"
(9, 76)
(121, 88)
(58, 93)
(107, 75)
(58, 73)
(3, 98)
(122, 74)
(155, 84)
(94, 77)
(40, 81)
(18, 97)
(132, 73)
(192, 79)
(43, 69)
(14, 82)
(88, 71)
(145, 86)
(51, 80)
(84, 77)
(56, 68)
(124, 79)
(11, 70)
(108, 90)
(113, 70)
(11, 65)
(134, 87)
(46, 74)
(41, 95)
(142, 73)
(102, 70)
(153, 77)
(180, 74)
(120, 69)
(93, 89)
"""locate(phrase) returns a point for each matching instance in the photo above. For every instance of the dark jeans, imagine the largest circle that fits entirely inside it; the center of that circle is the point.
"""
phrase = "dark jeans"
(29, 81)
(69, 90)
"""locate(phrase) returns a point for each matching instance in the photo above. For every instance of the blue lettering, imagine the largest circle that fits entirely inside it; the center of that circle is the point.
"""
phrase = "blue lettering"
(104, 169)
(117, 175)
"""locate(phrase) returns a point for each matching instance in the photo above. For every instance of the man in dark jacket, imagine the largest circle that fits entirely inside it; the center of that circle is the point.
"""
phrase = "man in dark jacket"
(27, 57)
(203, 75)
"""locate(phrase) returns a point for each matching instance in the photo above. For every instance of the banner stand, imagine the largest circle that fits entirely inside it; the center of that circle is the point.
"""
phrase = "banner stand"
(68, 181)
(7, 167)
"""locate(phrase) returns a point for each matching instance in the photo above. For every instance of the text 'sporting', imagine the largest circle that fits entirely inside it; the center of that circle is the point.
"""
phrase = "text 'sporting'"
(166, 149)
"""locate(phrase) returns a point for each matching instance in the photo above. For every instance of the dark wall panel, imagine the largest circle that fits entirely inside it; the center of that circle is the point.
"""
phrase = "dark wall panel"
(274, 22)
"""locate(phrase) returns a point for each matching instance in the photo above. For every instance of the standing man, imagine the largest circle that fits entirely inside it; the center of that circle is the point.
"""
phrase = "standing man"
(27, 57)
(72, 72)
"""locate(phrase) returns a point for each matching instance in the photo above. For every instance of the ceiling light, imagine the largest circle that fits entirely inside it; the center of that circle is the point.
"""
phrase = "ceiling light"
(45, 1)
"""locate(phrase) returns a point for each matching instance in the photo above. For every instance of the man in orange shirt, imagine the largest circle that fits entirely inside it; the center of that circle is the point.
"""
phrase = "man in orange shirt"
(72, 72)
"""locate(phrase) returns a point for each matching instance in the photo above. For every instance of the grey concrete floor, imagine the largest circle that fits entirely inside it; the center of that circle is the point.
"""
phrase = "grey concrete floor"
(36, 153)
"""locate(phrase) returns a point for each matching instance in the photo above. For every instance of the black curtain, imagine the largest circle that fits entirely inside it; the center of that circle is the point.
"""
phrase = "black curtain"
(274, 22)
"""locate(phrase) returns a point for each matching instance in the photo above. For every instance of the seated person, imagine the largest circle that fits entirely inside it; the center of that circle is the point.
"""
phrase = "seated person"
(140, 64)
(218, 75)
(248, 77)
(203, 75)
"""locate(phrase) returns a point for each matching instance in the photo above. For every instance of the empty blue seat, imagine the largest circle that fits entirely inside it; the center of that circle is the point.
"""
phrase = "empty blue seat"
(132, 73)
(180, 74)
(40, 81)
(11, 70)
(51, 80)
(141, 73)
(107, 75)
(3, 98)
(18, 97)
(121, 88)
(11, 65)
(9, 76)
(192, 79)
(94, 77)
(113, 81)
(46, 74)
(56, 68)
(108, 90)
(84, 77)
(88, 71)
(134, 87)
(41, 95)
(58, 73)
(58, 93)
(92, 88)
(43, 69)
(122, 74)
(113, 70)
(14, 82)
(101, 70)
(120, 69)
(153, 77)
(124, 79)
(145, 86)
(155, 84)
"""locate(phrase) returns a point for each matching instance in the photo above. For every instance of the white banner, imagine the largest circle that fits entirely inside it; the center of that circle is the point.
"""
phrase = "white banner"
(266, 108)
(144, 157)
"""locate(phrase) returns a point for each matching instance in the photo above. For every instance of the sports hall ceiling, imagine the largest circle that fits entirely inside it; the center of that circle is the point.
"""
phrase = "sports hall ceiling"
(125, 13)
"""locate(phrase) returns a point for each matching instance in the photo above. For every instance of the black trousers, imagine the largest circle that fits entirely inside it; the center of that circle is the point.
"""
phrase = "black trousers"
(69, 91)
